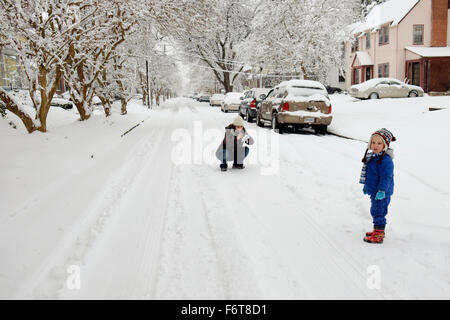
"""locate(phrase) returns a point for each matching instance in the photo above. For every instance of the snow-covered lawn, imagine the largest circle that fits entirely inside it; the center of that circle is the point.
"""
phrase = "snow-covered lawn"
(140, 219)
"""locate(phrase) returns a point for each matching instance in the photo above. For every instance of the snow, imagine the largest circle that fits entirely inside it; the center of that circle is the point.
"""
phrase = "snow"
(364, 58)
(371, 83)
(140, 225)
(233, 98)
(430, 51)
(301, 83)
(217, 96)
(392, 11)
(310, 114)
(296, 97)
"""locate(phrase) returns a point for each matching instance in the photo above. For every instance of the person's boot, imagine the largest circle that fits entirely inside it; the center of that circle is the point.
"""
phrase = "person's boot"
(376, 237)
(223, 167)
(370, 233)
(238, 166)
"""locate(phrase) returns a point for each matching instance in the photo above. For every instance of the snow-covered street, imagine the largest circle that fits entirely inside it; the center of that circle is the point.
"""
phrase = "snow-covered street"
(150, 216)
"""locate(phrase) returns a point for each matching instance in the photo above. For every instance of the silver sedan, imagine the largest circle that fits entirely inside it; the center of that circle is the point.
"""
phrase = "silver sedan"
(385, 88)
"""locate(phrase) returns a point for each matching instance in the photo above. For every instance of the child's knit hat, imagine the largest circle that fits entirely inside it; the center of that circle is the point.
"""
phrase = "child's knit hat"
(387, 137)
(238, 121)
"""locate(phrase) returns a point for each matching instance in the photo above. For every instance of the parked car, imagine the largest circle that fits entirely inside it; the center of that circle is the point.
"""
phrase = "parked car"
(216, 99)
(296, 103)
(232, 101)
(195, 96)
(247, 108)
(385, 88)
(60, 101)
(332, 90)
(204, 97)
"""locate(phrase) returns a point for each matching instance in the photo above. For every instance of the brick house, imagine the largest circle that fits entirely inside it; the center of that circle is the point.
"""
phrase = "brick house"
(403, 39)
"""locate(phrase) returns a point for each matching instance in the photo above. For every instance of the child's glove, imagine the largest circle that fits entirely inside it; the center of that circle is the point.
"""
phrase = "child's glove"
(380, 195)
(245, 138)
(365, 190)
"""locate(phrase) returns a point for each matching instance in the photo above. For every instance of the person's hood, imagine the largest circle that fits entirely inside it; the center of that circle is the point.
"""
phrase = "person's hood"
(390, 153)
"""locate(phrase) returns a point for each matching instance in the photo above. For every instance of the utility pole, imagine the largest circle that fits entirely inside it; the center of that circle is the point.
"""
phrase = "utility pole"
(260, 73)
(148, 91)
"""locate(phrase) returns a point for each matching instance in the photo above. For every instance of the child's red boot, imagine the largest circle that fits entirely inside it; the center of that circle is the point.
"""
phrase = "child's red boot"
(376, 236)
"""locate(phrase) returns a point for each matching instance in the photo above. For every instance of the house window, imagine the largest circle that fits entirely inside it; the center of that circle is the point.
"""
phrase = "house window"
(383, 70)
(383, 36)
(355, 45)
(356, 76)
(368, 40)
(418, 34)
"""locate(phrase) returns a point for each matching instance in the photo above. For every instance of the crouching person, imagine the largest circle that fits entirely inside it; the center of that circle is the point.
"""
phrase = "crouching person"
(232, 147)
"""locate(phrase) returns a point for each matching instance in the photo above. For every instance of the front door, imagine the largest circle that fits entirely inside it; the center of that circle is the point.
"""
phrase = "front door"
(414, 73)
(368, 73)
(415, 76)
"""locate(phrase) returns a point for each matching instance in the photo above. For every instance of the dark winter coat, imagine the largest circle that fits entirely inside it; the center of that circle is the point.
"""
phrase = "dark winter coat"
(232, 144)
(380, 176)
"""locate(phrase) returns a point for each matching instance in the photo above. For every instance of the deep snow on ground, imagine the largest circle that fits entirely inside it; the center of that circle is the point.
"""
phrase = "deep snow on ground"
(150, 216)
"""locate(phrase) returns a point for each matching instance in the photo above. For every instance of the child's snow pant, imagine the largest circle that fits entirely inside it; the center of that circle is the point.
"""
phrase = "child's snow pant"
(379, 210)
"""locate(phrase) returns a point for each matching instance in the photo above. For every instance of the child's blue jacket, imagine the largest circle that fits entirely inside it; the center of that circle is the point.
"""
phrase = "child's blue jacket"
(380, 177)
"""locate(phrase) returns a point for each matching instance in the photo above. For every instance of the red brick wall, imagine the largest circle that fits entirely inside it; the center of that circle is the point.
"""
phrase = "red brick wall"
(439, 23)
(438, 74)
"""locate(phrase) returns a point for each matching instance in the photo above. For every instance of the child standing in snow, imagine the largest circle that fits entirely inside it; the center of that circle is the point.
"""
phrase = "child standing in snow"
(377, 175)
(232, 147)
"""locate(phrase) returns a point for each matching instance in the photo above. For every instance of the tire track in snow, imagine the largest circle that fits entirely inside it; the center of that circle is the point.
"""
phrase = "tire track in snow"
(358, 285)
(191, 266)
(50, 277)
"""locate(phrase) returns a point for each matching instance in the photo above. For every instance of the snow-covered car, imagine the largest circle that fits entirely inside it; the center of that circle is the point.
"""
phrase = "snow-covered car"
(232, 101)
(216, 99)
(66, 95)
(59, 101)
(296, 103)
(204, 97)
(385, 88)
(247, 109)
(332, 90)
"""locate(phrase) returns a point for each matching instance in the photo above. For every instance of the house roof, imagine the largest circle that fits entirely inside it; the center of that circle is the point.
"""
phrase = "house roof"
(429, 52)
(364, 58)
(392, 12)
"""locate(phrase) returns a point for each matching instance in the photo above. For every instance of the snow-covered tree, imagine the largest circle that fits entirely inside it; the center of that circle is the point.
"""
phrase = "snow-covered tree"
(38, 32)
(218, 27)
(300, 37)
(88, 59)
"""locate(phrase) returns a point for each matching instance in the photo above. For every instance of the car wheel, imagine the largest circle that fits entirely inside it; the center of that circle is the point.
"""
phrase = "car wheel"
(413, 94)
(258, 120)
(248, 117)
(373, 95)
(320, 129)
(275, 125)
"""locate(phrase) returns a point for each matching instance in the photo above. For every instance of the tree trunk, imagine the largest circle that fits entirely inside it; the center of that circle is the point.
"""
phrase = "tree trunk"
(226, 82)
(124, 106)
(14, 108)
(106, 105)
(305, 76)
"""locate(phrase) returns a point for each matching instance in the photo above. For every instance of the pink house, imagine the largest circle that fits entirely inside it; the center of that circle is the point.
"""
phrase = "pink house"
(402, 39)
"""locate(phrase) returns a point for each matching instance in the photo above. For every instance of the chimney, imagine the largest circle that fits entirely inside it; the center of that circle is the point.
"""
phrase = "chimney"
(439, 20)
